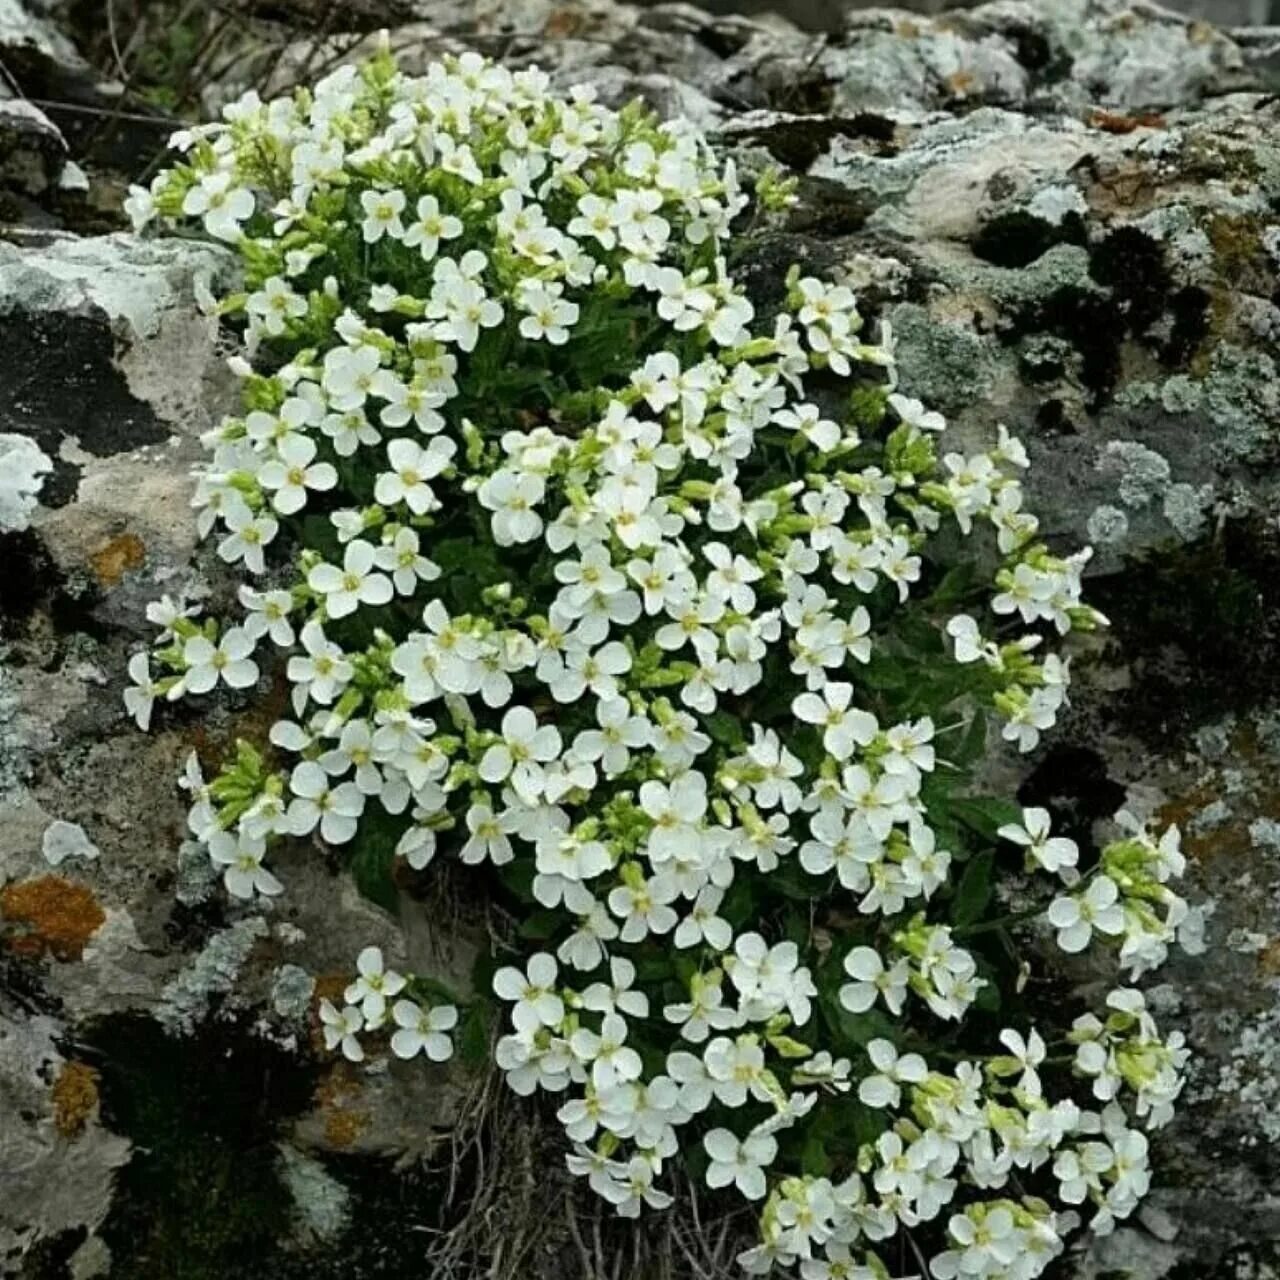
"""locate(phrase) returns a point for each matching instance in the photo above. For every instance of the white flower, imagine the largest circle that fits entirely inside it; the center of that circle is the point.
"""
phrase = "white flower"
(845, 728)
(1053, 853)
(412, 467)
(335, 810)
(883, 1088)
(423, 1030)
(536, 1002)
(914, 414)
(341, 1026)
(142, 693)
(222, 206)
(1029, 1053)
(227, 661)
(372, 986)
(241, 856)
(512, 497)
(430, 227)
(268, 615)
(549, 314)
(322, 673)
(702, 924)
(619, 734)
(382, 210)
(1077, 916)
(461, 308)
(490, 834)
(247, 535)
(739, 1163)
(292, 472)
(356, 583)
(871, 980)
(821, 432)
(612, 1062)
(275, 304)
(525, 747)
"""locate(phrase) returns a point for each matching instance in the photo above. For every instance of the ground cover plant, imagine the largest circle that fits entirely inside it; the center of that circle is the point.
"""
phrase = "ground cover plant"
(684, 627)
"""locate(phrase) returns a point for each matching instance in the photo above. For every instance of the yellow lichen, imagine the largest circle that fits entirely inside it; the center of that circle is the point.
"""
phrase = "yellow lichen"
(111, 562)
(337, 1095)
(75, 1098)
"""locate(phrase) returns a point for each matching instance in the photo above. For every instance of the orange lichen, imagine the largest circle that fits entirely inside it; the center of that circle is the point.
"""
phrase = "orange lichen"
(1115, 122)
(60, 916)
(337, 1095)
(75, 1098)
(1269, 958)
(111, 562)
(562, 24)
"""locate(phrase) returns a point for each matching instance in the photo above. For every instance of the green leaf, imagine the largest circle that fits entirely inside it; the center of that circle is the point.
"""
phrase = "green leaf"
(974, 741)
(855, 1030)
(473, 1034)
(541, 925)
(814, 1161)
(373, 855)
(984, 814)
(974, 890)
(958, 583)
(724, 729)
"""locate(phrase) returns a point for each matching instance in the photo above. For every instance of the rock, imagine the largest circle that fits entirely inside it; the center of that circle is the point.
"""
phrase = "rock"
(35, 50)
(121, 372)
(33, 152)
(51, 1137)
(1066, 214)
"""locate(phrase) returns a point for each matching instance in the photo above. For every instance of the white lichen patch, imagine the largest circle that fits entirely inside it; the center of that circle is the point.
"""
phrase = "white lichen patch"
(185, 1001)
(1186, 508)
(1143, 474)
(1251, 1076)
(1054, 204)
(1108, 525)
(322, 1205)
(23, 466)
(63, 840)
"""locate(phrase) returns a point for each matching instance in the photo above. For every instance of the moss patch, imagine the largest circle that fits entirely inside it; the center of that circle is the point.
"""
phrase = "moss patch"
(1206, 621)
(201, 1197)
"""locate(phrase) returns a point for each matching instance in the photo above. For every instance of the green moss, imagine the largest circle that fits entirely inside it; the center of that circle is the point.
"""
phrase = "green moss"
(201, 1197)
(867, 408)
(1240, 253)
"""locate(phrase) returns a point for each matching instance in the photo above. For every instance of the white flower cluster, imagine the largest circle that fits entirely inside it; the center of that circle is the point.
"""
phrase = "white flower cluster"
(365, 1009)
(601, 577)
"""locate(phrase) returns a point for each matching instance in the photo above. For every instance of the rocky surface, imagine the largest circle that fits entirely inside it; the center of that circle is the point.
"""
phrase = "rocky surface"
(1069, 215)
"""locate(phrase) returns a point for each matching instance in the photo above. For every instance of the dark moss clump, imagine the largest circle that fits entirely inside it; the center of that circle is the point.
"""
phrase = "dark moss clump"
(1131, 264)
(1201, 629)
(1073, 784)
(1191, 310)
(1018, 238)
(201, 1196)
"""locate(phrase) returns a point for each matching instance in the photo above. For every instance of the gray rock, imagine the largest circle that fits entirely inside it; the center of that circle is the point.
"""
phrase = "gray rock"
(33, 151)
(57, 1161)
